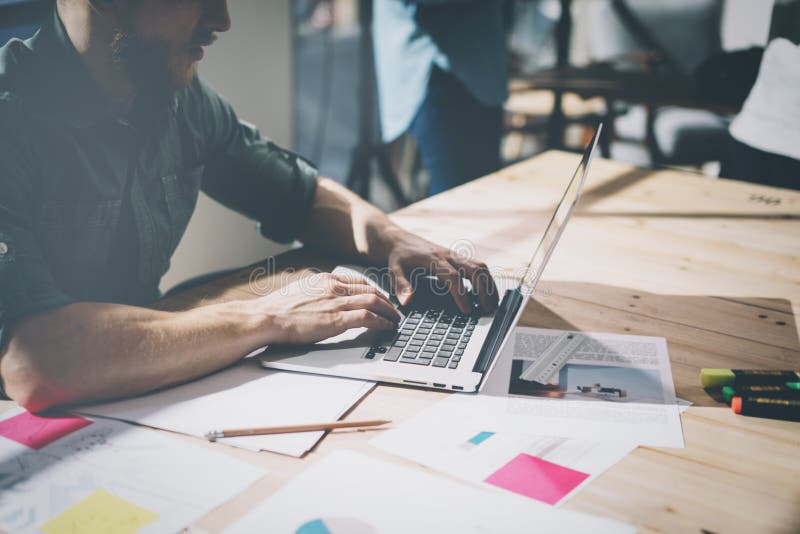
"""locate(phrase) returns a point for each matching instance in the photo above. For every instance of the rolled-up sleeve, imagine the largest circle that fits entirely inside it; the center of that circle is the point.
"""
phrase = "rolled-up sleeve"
(252, 175)
(27, 284)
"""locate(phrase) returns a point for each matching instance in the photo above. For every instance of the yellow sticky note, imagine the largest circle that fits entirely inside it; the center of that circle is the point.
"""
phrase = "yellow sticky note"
(100, 513)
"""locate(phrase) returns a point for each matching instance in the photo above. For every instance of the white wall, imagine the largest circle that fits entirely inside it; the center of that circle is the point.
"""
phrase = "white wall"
(251, 65)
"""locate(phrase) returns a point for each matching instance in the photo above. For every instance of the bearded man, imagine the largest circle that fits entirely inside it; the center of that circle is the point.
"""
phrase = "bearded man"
(106, 137)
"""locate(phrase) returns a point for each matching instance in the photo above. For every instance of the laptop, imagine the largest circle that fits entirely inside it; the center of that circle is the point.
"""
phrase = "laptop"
(435, 346)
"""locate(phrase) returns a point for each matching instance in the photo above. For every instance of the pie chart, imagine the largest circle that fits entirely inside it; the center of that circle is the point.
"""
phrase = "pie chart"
(336, 525)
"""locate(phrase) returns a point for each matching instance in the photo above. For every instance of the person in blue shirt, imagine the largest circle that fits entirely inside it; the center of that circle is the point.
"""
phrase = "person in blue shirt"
(442, 75)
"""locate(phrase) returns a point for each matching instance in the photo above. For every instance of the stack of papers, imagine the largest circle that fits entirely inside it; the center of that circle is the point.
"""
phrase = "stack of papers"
(348, 493)
(243, 396)
(70, 474)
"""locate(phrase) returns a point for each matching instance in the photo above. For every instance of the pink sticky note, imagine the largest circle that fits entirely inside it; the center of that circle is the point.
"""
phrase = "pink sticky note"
(36, 432)
(536, 478)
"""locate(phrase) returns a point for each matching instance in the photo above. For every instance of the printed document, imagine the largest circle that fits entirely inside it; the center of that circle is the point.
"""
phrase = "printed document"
(348, 492)
(243, 396)
(548, 469)
(604, 387)
(71, 474)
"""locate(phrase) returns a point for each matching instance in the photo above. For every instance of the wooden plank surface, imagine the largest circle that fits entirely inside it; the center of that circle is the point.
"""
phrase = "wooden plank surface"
(711, 265)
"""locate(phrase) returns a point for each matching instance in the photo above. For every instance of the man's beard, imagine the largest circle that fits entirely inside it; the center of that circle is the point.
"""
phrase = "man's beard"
(147, 66)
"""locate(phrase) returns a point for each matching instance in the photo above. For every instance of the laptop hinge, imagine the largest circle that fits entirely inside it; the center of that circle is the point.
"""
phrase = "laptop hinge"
(497, 332)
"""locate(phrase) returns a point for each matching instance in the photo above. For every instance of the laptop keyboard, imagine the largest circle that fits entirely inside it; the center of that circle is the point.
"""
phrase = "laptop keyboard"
(431, 337)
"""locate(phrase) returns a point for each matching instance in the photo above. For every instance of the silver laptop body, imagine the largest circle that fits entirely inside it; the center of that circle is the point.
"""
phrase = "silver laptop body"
(435, 348)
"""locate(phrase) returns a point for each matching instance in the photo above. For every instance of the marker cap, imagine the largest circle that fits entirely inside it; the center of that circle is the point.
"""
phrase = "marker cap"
(714, 378)
(728, 393)
(736, 404)
(793, 385)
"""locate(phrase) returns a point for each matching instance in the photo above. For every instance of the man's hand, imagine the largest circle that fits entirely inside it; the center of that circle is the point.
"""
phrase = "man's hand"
(344, 225)
(322, 306)
(409, 255)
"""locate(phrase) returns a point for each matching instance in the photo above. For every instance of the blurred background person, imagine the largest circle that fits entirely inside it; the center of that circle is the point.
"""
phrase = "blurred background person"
(442, 75)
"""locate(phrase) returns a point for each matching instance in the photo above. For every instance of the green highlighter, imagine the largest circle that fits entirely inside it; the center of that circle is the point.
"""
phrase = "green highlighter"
(788, 390)
(717, 378)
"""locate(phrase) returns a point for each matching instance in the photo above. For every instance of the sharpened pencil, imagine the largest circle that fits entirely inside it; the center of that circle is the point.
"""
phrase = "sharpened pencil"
(238, 432)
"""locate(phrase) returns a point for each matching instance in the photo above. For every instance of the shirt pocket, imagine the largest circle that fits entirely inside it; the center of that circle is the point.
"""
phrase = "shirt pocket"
(76, 238)
(180, 193)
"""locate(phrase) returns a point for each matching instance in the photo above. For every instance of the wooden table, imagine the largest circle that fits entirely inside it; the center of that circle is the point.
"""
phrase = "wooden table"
(712, 265)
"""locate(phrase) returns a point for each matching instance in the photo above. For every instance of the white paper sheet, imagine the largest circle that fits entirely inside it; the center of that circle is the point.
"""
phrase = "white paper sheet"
(142, 470)
(464, 449)
(243, 396)
(770, 117)
(614, 387)
(350, 493)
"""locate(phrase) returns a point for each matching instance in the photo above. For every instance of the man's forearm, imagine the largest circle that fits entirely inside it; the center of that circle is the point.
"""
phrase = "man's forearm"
(345, 225)
(90, 351)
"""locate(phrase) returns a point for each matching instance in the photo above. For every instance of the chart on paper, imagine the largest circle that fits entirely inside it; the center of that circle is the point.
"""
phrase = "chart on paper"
(336, 525)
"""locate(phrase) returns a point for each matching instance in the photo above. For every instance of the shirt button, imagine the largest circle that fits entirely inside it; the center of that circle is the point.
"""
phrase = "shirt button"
(3, 248)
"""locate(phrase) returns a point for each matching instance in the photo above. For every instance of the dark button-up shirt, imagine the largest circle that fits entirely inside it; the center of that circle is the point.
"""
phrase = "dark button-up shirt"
(92, 205)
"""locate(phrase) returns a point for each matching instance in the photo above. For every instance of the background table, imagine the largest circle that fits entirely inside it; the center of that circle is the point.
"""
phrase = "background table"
(712, 265)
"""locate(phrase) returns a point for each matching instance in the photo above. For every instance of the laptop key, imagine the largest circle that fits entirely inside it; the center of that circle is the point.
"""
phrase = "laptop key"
(392, 354)
(429, 349)
(417, 361)
(452, 365)
(415, 343)
(413, 348)
(456, 358)
(440, 362)
(443, 354)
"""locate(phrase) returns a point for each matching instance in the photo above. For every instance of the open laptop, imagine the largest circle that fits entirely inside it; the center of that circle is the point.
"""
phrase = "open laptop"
(435, 346)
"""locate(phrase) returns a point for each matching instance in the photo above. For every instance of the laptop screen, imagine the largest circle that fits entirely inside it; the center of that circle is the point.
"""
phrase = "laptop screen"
(558, 221)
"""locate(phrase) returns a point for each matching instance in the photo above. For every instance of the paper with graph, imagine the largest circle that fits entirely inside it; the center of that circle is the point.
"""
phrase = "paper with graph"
(71, 474)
